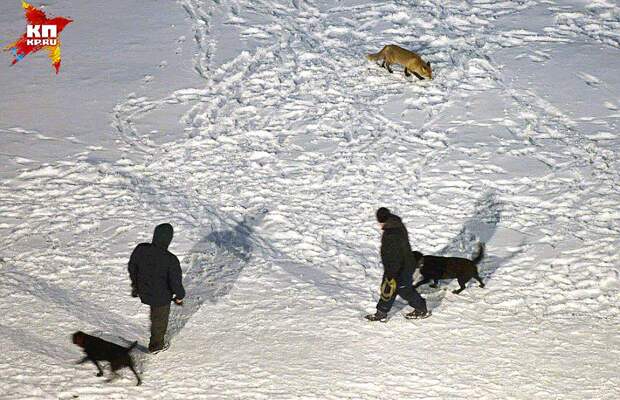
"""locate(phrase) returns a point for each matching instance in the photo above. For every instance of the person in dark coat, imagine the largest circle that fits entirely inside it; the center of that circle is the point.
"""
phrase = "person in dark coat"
(156, 277)
(398, 268)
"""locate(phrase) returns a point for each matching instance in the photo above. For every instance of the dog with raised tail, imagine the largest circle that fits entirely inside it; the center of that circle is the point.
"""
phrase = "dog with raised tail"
(436, 268)
(413, 63)
(97, 349)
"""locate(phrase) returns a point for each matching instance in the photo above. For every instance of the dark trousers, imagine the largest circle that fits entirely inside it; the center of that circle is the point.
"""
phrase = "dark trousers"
(159, 325)
(403, 287)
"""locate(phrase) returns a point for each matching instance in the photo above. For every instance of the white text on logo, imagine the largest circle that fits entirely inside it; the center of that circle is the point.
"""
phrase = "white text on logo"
(41, 35)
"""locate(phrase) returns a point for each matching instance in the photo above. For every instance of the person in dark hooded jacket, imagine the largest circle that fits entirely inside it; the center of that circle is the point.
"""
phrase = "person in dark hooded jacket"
(398, 268)
(156, 277)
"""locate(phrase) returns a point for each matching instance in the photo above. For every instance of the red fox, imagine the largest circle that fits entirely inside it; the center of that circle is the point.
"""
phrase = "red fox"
(413, 63)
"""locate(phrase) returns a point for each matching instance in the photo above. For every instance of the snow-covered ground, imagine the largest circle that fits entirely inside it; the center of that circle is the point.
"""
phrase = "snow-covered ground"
(262, 133)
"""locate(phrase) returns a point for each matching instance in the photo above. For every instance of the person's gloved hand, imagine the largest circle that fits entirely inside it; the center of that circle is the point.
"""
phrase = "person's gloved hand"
(177, 301)
(134, 291)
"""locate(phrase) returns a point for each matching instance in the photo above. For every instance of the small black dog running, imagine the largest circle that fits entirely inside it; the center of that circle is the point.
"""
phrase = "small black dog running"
(97, 349)
(436, 268)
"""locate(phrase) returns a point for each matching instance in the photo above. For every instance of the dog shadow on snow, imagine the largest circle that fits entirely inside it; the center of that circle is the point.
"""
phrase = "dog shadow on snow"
(479, 228)
(215, 263)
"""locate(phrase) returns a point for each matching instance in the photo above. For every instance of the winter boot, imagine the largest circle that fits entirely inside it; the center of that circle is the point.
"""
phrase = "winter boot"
(416, 314)
(378, 316)
(155, 350)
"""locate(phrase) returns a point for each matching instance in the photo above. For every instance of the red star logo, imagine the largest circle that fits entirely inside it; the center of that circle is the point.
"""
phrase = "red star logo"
(42, 33)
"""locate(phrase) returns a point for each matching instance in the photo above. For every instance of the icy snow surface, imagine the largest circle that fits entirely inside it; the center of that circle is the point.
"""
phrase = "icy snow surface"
(262, 133)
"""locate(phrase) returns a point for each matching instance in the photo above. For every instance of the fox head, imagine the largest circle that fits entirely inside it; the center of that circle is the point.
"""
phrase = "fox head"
(427, 72)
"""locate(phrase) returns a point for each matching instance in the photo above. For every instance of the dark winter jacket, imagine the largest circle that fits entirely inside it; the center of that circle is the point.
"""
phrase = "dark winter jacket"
(395, 248)
(154, 271)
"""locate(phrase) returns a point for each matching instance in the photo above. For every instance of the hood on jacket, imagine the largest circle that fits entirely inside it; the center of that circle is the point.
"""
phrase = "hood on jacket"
(393, 222)
(163, 236)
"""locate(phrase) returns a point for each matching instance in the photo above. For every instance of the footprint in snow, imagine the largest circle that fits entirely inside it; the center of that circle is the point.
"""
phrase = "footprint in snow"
(589, 79)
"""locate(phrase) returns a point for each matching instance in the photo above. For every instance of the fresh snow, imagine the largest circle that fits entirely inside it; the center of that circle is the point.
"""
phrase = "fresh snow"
(263, 134)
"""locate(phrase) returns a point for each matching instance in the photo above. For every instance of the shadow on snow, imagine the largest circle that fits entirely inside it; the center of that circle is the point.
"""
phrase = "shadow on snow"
(215, 263)
(479, 228)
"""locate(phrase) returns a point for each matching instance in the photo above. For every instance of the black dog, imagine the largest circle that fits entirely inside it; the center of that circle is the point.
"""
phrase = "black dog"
(97, 349)
(436, 268)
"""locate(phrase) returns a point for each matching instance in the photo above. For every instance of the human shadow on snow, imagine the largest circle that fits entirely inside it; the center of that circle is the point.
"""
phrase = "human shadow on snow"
(215, 263)
(479, 228)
